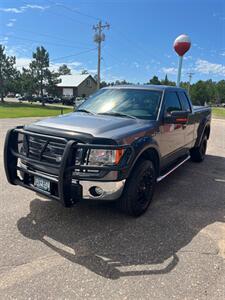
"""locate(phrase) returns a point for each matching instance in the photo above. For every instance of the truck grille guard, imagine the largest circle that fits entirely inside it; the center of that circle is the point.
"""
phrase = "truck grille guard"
(62, 188)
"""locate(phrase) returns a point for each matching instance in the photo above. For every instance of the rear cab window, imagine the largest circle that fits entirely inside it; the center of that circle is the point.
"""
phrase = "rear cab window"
(184, 102)
(171, 103)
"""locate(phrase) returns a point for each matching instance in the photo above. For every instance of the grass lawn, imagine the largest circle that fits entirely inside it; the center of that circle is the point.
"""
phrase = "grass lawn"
(218, 112)
(22, 110)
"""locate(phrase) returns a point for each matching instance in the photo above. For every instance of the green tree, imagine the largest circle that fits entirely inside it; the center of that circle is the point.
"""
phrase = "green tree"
(103, 84)
(39, 67)
(203, 92)
(27, 83)
(7, 71)
(51, 87)
(155, 80)
(184, 85)
(64, 70)
(13, 85)
(220, 92)
(166, 81)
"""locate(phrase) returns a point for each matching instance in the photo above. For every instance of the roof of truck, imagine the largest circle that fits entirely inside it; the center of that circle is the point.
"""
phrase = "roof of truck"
(146, 87)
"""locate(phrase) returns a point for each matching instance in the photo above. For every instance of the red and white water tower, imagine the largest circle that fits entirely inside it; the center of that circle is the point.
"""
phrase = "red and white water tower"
(181, 45)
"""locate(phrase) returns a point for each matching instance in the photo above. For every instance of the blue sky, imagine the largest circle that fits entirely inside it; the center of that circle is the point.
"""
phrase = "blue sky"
(138, 44)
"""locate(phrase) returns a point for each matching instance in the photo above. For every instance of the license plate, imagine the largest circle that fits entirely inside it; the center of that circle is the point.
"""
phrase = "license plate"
(42, 183)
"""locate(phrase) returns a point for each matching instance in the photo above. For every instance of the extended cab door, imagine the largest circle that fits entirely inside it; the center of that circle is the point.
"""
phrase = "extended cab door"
(188, 128)
(171, 138)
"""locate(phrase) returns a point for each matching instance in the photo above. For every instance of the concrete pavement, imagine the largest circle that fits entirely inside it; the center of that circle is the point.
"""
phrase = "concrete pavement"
(92, 251)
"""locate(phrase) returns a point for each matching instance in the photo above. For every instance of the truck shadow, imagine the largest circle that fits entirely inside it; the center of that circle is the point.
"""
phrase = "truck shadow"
(112, 245)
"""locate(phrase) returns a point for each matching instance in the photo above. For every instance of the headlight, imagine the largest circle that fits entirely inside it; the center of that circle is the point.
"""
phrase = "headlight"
(101, 157)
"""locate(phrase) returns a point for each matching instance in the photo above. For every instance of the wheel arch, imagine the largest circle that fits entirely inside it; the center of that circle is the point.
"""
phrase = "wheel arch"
(204, 128)
(149, 153)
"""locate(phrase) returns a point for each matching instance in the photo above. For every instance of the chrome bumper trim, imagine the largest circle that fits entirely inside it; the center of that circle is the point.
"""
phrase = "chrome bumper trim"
(111, 190)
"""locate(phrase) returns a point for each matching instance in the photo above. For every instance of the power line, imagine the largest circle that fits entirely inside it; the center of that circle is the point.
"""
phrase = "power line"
(44, 34)
(40, 42)
(64, 57)
(76, 54)
(72, 10)
(69, 18)
(75, 10)
(99, 37)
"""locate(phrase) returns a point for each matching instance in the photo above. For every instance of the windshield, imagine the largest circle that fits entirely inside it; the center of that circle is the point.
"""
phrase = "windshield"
(142, 104)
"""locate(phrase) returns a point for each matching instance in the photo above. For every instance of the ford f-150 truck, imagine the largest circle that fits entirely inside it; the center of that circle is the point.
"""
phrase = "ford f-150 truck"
(116, 146)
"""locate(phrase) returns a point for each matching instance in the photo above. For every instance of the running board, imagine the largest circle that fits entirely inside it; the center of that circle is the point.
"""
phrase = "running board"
(160, 178)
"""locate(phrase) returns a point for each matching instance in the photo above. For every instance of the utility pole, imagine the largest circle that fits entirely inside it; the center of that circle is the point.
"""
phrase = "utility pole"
(189, 82)
(99, 37)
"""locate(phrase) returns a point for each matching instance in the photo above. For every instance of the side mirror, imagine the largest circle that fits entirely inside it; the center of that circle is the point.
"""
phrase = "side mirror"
(176, 117)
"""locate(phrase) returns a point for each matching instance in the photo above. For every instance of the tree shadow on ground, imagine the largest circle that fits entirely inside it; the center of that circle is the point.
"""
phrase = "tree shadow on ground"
(100, 238)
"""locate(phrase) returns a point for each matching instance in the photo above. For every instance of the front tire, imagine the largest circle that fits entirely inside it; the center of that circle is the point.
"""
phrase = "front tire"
(198, 153)
(139, 189)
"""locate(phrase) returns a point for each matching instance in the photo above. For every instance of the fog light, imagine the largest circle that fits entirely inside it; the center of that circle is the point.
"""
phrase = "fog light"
(96, 191)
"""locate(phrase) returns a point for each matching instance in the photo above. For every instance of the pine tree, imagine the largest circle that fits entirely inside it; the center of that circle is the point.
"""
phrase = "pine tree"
(64, 70)
(39, 67)
(7, 70)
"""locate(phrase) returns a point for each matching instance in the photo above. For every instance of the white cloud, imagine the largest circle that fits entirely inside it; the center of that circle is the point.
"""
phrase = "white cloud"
(33, 6)
(188, 57)
(223, 53)
(22, 9)
(12, 10)
(75, 64)
(206, 67)
(170, 70)
(4, 40)
(10, 24)
(92, 71)
(22, 62)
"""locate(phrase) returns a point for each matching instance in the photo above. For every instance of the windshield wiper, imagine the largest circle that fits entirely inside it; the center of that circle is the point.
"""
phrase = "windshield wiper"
(119, 114)
(85, 111)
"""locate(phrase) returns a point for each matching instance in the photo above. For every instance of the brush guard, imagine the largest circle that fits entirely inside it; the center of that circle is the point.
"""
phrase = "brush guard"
(62, 188)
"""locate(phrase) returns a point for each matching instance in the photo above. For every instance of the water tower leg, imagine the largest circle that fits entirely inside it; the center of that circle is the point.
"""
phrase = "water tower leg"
(179, 70)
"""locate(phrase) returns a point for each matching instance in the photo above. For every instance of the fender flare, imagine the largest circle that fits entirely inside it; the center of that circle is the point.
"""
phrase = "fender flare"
(201, 130)
(142, 145)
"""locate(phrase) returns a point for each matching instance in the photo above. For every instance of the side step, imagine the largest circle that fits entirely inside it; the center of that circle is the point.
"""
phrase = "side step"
(173, 169)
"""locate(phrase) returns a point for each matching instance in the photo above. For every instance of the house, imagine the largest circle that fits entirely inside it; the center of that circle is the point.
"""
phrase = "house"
(77, 85)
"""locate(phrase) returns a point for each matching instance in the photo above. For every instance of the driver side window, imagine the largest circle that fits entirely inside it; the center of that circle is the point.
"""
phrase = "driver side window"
(171, 103)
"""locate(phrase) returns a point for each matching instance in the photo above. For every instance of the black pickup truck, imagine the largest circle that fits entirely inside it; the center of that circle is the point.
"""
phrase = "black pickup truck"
(116, 146)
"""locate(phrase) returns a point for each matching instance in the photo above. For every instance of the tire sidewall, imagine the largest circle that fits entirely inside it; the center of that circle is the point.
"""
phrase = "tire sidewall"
(132, 185)
(203, 147)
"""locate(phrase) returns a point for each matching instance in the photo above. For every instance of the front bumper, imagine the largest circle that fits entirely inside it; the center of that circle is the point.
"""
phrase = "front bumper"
(110, 190)
(67, 185)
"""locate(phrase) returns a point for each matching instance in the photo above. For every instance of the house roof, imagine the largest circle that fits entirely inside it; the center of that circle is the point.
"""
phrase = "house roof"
(72, 80)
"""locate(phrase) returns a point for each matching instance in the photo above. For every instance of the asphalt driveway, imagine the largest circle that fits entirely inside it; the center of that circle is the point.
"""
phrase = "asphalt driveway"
(92, 251)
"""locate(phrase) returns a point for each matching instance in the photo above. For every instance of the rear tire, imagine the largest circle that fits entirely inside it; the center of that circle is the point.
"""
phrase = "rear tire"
(198, 153)
(139, 189)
